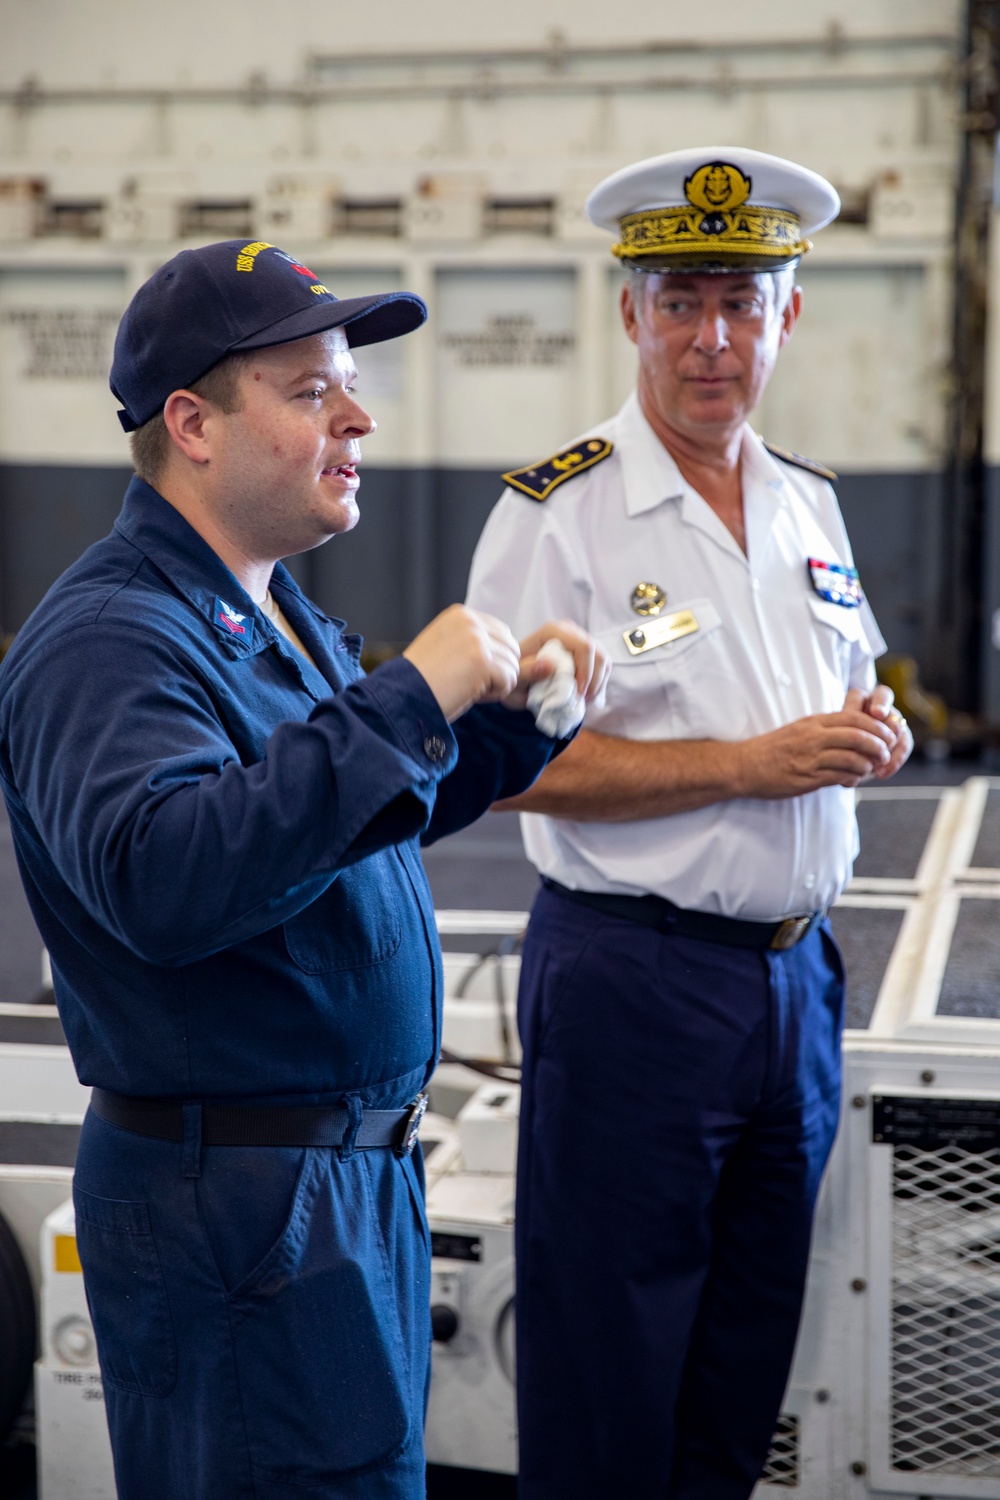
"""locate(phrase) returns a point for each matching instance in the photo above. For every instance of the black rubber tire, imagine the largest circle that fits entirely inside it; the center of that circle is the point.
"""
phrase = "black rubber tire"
(17, 1329)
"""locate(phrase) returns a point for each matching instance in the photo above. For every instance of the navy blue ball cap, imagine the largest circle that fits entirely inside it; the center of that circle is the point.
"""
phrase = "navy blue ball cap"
(207, 303)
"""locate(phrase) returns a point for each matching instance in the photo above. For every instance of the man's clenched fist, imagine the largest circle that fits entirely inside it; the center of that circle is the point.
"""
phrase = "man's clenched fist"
(467, 657)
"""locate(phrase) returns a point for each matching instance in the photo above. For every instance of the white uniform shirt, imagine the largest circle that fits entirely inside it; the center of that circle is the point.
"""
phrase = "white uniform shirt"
(768, 650)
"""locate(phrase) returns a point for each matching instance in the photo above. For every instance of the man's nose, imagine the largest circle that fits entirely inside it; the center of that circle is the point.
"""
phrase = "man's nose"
(712, 336)
(352, 420)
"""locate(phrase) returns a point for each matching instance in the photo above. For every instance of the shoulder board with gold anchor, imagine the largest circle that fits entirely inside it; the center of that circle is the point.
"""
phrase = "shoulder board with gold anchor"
(537, 481)
(800, 462)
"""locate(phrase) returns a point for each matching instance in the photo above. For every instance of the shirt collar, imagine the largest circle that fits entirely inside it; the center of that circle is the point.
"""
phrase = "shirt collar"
(182, 555)
(651, 476)
(759, 464)
(763, 492)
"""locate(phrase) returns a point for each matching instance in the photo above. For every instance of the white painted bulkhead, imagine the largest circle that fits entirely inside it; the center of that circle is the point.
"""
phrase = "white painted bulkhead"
(451, 153)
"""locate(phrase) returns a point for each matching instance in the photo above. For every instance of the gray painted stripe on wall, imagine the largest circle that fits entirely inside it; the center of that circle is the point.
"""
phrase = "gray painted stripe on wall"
(410, 554)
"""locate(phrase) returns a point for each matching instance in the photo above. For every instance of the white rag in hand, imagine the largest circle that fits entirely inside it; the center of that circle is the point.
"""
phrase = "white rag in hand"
(555, 702)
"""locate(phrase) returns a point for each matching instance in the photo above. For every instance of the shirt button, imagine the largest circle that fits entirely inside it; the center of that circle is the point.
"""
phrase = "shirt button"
(785, 680)
(435, 748)
(755, 584)
(809, 881)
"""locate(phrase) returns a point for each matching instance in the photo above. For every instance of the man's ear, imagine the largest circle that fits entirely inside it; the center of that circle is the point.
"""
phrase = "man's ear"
(790, 315)
(186, 416)
(630, 315)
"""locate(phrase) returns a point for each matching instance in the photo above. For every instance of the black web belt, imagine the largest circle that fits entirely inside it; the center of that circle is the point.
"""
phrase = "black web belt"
(678, 921)
(264, 1125)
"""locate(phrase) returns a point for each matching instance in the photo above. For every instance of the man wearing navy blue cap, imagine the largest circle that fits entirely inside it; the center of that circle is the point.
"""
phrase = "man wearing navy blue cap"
(217, 816)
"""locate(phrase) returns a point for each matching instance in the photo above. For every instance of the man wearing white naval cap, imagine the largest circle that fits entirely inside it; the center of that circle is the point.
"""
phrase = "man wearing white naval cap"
(681, 995)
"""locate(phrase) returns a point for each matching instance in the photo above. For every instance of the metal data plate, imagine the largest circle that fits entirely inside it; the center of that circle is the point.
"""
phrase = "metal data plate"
(972, 1124)
(448, 1246)
(660, 632)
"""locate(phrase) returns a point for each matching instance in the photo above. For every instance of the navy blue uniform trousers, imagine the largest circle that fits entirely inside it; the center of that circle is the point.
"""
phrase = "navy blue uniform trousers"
(680, 1099)
(216, 1277)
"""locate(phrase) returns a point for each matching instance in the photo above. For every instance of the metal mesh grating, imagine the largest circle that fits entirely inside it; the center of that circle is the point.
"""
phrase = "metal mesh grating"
(969, 983)
(894, 832)
(945, 1411)
(866, 940)
(782, 1465)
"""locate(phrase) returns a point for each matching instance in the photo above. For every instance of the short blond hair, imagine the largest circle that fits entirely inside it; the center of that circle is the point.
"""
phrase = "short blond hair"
(150, 443)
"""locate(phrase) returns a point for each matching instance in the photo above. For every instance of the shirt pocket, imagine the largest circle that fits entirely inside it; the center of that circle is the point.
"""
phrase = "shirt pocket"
(355, 924)
(683, 689)
(836, 632)
(126, 1294)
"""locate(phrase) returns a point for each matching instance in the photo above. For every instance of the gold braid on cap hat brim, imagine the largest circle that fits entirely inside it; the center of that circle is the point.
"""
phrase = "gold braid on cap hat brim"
(688, 231)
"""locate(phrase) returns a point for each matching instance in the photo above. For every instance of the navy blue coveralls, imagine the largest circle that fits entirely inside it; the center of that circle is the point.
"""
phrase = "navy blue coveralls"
(219, 843)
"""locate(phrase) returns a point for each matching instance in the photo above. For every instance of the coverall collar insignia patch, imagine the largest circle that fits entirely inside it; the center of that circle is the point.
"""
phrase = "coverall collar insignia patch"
(232, 622)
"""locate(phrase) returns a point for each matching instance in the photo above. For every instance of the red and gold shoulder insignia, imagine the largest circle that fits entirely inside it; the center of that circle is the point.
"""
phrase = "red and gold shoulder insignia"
(800, 462)
(537, 481)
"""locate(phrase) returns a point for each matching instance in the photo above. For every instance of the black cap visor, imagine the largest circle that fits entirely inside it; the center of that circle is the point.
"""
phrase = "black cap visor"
(365, 320)
(717, 265)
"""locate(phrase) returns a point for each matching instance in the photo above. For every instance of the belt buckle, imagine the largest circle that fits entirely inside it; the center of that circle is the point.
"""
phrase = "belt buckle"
(791, 931)
(412, 1128)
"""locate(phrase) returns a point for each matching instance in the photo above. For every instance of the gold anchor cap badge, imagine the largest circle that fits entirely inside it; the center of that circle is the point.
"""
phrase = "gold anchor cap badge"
(647, 598)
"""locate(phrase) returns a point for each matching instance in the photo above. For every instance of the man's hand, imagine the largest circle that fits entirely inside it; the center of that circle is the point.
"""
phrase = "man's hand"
(879, 704)
(839, 749)
(592, 665)
(466, 657)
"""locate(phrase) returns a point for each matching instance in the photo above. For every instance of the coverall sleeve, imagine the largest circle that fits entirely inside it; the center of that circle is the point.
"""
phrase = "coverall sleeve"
(501, 753)
(172, 844)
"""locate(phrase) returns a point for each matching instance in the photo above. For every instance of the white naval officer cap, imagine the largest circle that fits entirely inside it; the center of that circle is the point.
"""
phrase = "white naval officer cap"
(713, 208)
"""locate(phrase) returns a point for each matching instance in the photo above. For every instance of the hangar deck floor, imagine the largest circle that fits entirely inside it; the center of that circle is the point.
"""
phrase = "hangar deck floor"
(484, 868)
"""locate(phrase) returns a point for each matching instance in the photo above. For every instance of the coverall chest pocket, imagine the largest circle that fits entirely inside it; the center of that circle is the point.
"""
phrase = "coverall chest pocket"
(355, 923)
(126, 1294)
(324, 1377)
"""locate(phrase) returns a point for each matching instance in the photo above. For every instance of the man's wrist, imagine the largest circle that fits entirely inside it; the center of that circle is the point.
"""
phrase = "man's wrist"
(738, 777)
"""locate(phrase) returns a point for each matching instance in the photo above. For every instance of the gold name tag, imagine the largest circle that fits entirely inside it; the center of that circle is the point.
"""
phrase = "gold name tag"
(660, 632)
